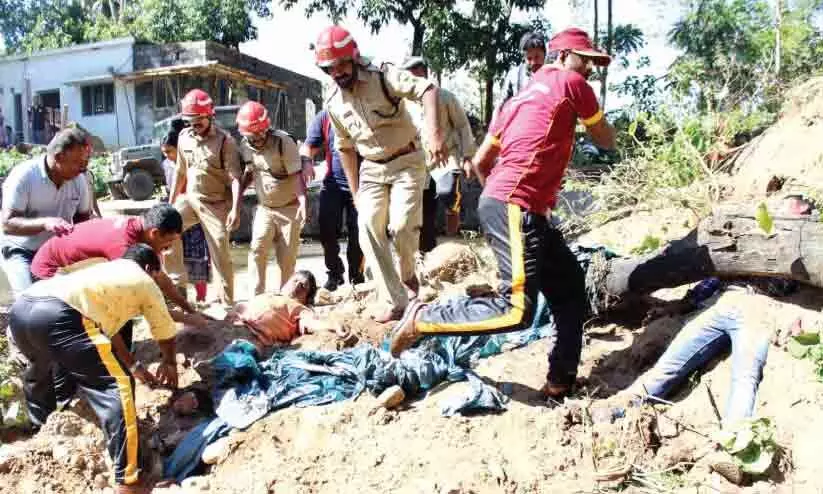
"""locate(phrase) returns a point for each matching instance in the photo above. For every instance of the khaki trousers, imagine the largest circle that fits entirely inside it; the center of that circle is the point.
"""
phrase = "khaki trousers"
(212, 215)
(281, 227)
(390, 203)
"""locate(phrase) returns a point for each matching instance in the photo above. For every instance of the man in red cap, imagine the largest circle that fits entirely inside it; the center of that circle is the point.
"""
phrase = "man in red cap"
(521, 164)
(209, 164)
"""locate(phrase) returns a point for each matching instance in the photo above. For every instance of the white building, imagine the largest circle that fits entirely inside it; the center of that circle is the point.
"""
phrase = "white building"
(78, 83)
(119, 89)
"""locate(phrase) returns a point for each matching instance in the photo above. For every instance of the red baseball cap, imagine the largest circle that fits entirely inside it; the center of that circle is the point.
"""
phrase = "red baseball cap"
(577, 41)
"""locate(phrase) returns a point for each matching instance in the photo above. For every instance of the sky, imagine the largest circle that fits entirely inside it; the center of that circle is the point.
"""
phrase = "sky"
(284, 40)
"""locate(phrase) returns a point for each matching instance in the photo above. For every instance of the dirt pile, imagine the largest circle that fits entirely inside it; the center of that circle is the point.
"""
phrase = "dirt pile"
(791, 149)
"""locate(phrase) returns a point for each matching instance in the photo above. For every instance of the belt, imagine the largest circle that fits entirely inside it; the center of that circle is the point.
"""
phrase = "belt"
(408, 148)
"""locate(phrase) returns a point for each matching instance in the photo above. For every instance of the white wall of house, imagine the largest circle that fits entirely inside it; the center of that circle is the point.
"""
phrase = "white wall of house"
(68, 70)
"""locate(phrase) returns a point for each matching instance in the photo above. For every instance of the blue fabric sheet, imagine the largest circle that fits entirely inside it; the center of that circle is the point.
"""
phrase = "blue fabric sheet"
(248, 389)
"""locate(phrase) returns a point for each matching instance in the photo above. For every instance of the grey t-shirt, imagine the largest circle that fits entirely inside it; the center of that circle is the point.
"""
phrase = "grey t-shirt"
(29, 189)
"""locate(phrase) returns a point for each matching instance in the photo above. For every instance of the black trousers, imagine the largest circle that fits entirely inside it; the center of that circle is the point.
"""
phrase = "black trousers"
(450, 199)
(532, 257)
(335, 203)
(49, 332)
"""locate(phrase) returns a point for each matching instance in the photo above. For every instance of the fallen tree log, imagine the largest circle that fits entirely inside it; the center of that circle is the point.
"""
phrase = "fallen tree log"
(727, 244)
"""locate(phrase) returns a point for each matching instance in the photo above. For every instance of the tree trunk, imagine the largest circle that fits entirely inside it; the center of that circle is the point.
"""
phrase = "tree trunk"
(488, 96)
(778, 40)
(609, 43)
(727, 244)
(417, 38)
(596, 28)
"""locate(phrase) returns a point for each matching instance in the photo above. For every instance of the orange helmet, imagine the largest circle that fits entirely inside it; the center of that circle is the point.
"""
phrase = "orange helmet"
(252, 118)
(197, 103)
(335, 44)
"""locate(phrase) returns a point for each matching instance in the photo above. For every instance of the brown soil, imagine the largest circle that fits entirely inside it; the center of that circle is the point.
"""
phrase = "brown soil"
(530, 448)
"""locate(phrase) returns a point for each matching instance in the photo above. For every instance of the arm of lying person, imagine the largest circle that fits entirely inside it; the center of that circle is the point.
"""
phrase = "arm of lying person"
(310, 324)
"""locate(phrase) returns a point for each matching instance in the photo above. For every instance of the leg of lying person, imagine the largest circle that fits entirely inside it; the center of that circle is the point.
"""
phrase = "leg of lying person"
(701, 340)
(564, 286)
(515, 238)
(86, 352)
(750, 348)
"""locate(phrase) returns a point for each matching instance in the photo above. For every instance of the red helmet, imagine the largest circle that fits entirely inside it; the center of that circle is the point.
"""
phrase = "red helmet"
(335, 44)
(252, 118)
(197, 103)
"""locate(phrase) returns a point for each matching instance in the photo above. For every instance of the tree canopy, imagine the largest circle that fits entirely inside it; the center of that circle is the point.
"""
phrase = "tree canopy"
(30, 25)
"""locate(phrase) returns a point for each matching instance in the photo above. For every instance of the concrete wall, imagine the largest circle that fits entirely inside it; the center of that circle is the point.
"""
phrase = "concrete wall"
(54, 69)
(299, 88)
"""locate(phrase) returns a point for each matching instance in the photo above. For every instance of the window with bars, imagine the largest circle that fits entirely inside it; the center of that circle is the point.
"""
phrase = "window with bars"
(98, 99)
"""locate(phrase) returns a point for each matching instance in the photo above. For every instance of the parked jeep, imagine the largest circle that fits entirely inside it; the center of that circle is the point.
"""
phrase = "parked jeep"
(136, 171)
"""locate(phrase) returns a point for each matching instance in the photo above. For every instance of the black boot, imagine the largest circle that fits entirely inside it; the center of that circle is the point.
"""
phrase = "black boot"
(333, 282)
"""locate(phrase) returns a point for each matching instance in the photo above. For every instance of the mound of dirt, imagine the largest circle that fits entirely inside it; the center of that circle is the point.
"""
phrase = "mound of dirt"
(449, 262)
(790, 149)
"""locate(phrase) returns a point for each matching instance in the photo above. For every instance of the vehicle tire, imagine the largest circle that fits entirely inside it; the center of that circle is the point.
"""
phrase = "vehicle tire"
(117, 191)
(138, 184)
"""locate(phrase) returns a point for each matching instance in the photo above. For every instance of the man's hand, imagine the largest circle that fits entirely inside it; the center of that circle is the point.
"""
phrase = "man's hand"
(437, 148)
(233, 220)
(166, 374)
(467, 168)
(300, 217)
(308, 171)
(144, 376)
(57, 226)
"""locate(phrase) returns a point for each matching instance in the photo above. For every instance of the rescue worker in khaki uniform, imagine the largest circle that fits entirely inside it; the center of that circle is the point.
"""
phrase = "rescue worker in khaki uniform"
(369, 116)
(445, 182)
(271, 159)
(207, 157)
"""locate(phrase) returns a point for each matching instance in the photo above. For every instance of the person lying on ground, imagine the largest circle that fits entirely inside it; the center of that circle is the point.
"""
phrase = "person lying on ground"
(68, 326)
(733, 316)
(102, 239)
(281, 317)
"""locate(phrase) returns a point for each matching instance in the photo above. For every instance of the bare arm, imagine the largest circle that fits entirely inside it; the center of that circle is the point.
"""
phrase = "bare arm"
(348, 159)
(167, 371)
(170, 292)
(14, 223)
(310, 152)
(484, 159)
(602, 134)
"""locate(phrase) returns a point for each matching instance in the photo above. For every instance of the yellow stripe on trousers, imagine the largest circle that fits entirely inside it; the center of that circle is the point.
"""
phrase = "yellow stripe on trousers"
(457, 195)
(103, 345)
(518, 297)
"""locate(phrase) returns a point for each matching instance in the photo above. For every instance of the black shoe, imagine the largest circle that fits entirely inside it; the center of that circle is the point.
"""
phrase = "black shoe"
(333, 282)
(357, 279)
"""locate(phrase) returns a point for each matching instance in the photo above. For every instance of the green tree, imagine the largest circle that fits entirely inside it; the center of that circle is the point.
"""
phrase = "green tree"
(29, 25)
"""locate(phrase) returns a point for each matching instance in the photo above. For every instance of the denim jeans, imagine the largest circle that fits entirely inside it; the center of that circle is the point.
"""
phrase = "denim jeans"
(706, 337)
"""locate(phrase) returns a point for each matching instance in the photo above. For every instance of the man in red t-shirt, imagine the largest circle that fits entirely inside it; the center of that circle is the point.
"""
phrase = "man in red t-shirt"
(109, 238)
(521, 164)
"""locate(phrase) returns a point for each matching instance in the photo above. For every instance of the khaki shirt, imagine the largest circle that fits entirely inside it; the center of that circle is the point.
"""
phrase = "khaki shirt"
(457, 131)
(276, 176)
(209, 163)
(362, 116)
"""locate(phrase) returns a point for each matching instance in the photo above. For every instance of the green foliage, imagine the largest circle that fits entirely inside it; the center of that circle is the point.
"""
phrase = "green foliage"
(649, 244)
(99, 167)
(10, 158)
(808, 346)
(764, 219)
(751, 443)
(33, 25)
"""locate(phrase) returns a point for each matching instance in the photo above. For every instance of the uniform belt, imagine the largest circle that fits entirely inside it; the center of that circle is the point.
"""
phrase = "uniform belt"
(408, 148)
